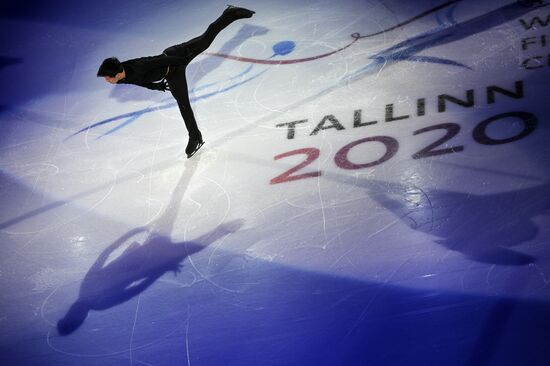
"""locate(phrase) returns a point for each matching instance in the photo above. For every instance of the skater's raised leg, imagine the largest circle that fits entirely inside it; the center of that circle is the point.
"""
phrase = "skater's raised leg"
(155, 71)
(199, 44)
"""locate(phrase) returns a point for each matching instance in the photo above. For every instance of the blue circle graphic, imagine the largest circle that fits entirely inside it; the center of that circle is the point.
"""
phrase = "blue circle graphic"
(283, 48)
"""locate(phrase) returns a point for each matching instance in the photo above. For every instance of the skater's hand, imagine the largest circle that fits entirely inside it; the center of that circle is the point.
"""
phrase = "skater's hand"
(163, 86)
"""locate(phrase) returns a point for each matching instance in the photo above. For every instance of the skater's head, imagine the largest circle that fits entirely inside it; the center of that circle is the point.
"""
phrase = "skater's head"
(74, 318)
(111, 70)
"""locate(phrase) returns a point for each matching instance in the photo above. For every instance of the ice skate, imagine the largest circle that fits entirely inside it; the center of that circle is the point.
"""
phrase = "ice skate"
(239, 13)
(192, 147)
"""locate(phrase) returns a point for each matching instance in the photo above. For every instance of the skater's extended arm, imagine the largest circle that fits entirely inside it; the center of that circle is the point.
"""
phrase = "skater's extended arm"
(100, 261)
(144, 71)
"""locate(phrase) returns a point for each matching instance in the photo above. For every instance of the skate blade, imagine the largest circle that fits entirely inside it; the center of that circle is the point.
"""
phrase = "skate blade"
(195, 151)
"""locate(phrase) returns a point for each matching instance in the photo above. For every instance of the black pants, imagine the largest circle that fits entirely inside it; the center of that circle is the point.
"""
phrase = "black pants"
(176, 76)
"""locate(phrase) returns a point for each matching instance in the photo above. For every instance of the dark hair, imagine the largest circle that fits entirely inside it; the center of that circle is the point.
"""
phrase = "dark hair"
(110, 67)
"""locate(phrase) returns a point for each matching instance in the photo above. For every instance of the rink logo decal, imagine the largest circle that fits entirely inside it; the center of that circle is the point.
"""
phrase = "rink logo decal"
(391, 145)
(440, 146)
(444, 144)
(392, 114)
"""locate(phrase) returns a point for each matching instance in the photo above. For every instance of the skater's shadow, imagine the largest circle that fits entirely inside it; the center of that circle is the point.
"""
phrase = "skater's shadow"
(149, 253)
(483, 228)
(196, 71)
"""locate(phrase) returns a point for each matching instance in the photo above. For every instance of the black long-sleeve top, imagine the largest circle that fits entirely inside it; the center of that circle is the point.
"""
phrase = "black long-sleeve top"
(146, 71)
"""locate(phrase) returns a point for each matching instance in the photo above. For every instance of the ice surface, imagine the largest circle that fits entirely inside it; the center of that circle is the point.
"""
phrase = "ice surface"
(385, 249)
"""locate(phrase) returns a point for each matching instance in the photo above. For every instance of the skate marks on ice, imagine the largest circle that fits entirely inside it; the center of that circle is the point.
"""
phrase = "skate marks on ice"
(149, 253)
(108, 186)
(483, 228)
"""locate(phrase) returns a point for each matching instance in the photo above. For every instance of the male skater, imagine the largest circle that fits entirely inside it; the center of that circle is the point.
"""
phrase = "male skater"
(167, 71)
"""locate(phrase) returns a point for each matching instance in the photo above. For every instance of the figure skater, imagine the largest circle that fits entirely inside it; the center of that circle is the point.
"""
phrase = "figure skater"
(167, 71)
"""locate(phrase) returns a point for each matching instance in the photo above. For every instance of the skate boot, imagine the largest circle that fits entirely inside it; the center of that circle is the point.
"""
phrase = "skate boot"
(193, 146)
(238, 13)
